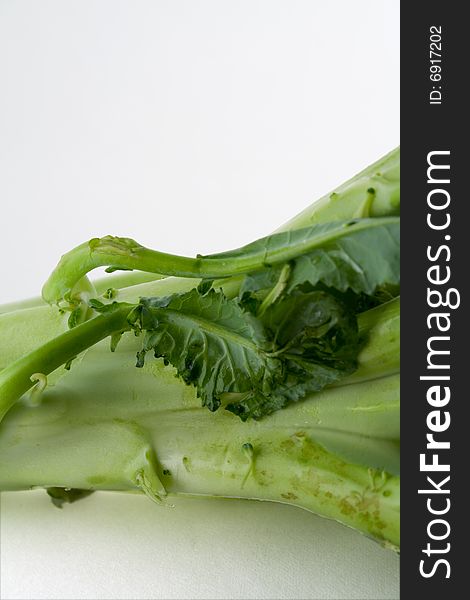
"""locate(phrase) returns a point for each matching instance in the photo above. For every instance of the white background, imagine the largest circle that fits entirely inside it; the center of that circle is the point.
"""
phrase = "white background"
(191, 126)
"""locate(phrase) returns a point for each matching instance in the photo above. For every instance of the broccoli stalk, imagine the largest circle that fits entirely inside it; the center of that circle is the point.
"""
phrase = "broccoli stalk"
(285, 317)
(109, 426)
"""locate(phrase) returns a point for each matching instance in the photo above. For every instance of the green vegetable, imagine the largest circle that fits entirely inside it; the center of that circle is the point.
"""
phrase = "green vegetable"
(336, 253)
(297, 334)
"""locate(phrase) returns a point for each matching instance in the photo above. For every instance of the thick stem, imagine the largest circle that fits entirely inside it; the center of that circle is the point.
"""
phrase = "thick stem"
(115, 281)
(378, 327)
(96, 428)
(15, 379)
(350, 200)
(128, 254)
(374, 192)
(380, 354)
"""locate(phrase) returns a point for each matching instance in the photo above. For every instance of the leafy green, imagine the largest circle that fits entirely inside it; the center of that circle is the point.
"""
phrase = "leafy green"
(244, 349)
(210, 340)
(359, 247)
(61, 496)
(277, 324)
(317, 341)
(301, 344)
(362, 260)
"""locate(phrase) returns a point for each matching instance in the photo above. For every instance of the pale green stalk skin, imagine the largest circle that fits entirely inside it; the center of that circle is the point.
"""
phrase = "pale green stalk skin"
(24, 330)
(116, 281)
(109, 426)
(22, 304)
(353, 198)
(120, 430)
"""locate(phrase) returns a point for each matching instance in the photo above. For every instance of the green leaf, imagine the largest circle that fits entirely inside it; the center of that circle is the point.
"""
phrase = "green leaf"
(343, 241)
(77, 315)
(318, 342)
(256, 287)
(103, 308)
(205, 286)
(61, 496)
(210, 340)
(363, 259)
(301, 344)
(313, 325)
(362, 262)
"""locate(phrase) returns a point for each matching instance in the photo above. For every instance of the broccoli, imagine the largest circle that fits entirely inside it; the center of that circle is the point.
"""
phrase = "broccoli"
(275, 373)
